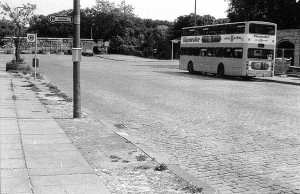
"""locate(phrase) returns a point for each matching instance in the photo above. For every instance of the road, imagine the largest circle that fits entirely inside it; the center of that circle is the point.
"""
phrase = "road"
(238, 136)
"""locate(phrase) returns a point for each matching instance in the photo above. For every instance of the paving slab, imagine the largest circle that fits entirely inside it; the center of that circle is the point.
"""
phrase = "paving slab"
(7, 113)
(15, 185)
(60, 171)
(12, 163)
(11, 154)
(9, 127)
(39, 126)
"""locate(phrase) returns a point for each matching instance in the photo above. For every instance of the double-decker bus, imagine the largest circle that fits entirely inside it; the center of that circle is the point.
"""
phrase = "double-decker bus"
(234, 49)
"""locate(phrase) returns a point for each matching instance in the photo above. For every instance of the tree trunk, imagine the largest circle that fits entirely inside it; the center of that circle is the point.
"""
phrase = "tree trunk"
(17, 44)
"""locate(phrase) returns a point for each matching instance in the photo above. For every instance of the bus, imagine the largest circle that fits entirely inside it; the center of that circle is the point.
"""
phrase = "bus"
(243, 49)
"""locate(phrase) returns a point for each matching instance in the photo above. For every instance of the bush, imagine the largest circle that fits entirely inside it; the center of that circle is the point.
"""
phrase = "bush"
(96, 50)
(13, 65)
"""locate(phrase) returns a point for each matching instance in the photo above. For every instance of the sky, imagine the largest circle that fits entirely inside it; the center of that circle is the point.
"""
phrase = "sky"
(145, 9)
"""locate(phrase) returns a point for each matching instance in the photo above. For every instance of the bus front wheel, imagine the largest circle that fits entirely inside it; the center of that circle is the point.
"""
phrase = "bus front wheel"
(221, 70)
(190, 68)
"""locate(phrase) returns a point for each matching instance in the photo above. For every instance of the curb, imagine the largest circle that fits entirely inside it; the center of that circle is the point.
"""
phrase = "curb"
(278, 81)
(132, 60)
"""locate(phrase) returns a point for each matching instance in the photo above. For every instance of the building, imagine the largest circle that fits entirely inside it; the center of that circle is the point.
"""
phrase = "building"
(288, 45)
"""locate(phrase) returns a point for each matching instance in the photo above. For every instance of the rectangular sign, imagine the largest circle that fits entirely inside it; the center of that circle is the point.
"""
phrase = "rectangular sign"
(60, 19)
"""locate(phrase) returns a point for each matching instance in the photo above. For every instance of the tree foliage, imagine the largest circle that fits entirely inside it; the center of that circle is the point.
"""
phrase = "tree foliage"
(283, 12)
(18, 17)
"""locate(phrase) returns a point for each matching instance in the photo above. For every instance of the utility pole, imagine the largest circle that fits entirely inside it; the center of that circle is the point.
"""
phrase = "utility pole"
(195, 13)
(76, 52)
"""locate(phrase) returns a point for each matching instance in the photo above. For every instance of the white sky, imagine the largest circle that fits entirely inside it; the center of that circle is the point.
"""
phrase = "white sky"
(152, 9)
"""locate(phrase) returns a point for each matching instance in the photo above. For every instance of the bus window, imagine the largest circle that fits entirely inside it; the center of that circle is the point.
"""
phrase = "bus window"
(227, 52)
(237, 53)
(203, 52)
(262, 29)
(219, 52)
(204, 31)
(239, 28)
(210, 52)
(184, 32)
(191, 32)
(183, 51)
(260, 53)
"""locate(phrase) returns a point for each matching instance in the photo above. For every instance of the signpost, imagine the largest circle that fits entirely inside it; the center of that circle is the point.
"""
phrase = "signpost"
(33, 38)
(76, 52)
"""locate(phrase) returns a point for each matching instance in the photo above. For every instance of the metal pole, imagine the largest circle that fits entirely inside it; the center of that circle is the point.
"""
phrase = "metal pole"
(195, 13)
(35, 61)
(172, 50)
(76, 64)
(92, 32)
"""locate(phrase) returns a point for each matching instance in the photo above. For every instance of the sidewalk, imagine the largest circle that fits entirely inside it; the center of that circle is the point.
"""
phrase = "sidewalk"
(36, 155)
(281, 79)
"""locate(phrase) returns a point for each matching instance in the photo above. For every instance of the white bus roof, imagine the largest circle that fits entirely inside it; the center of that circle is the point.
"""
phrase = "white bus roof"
(258, 22)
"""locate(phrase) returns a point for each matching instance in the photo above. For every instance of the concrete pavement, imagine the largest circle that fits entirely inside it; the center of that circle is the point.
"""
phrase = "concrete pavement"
(36, 154)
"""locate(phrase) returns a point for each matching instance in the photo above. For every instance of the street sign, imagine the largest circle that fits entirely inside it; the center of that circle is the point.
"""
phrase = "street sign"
(60, 19)
(31, 37)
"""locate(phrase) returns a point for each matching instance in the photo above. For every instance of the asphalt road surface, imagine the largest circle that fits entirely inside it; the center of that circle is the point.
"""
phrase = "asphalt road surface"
(238, 136)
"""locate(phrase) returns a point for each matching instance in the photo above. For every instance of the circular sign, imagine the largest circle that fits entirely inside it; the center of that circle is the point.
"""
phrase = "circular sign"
(30, 37)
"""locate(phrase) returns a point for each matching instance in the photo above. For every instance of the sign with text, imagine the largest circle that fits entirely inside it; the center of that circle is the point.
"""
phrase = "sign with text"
(60, 19)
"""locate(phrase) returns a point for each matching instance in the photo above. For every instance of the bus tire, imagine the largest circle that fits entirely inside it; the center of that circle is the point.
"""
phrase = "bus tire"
(190, 68)
(221, 70)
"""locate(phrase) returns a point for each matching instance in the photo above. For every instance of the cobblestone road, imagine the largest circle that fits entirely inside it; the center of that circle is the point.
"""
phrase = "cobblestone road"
(239, 137)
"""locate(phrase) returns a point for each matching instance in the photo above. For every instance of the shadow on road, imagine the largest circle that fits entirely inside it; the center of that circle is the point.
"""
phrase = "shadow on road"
(202, 76)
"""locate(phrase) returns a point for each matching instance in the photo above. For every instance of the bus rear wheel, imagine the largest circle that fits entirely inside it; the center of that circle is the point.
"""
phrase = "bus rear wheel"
(221, 71)
(190, 68)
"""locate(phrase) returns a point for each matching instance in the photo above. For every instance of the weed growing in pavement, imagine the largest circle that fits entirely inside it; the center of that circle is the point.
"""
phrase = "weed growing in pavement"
(141, 157)
(14, 97)
(11, 86)
(57, 92)
(142, 167)
(29, 85)
(161, 167)
(114, 158)
(192, 188)
(35, 89)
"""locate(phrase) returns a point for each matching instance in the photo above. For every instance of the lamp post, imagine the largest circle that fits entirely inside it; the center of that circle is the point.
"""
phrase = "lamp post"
(76, 52)
(195, 13)
(172, 54)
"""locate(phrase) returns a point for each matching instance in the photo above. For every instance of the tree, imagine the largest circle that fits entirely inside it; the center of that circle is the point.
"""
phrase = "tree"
(189, 21)
(19, 17)
(283, 12)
